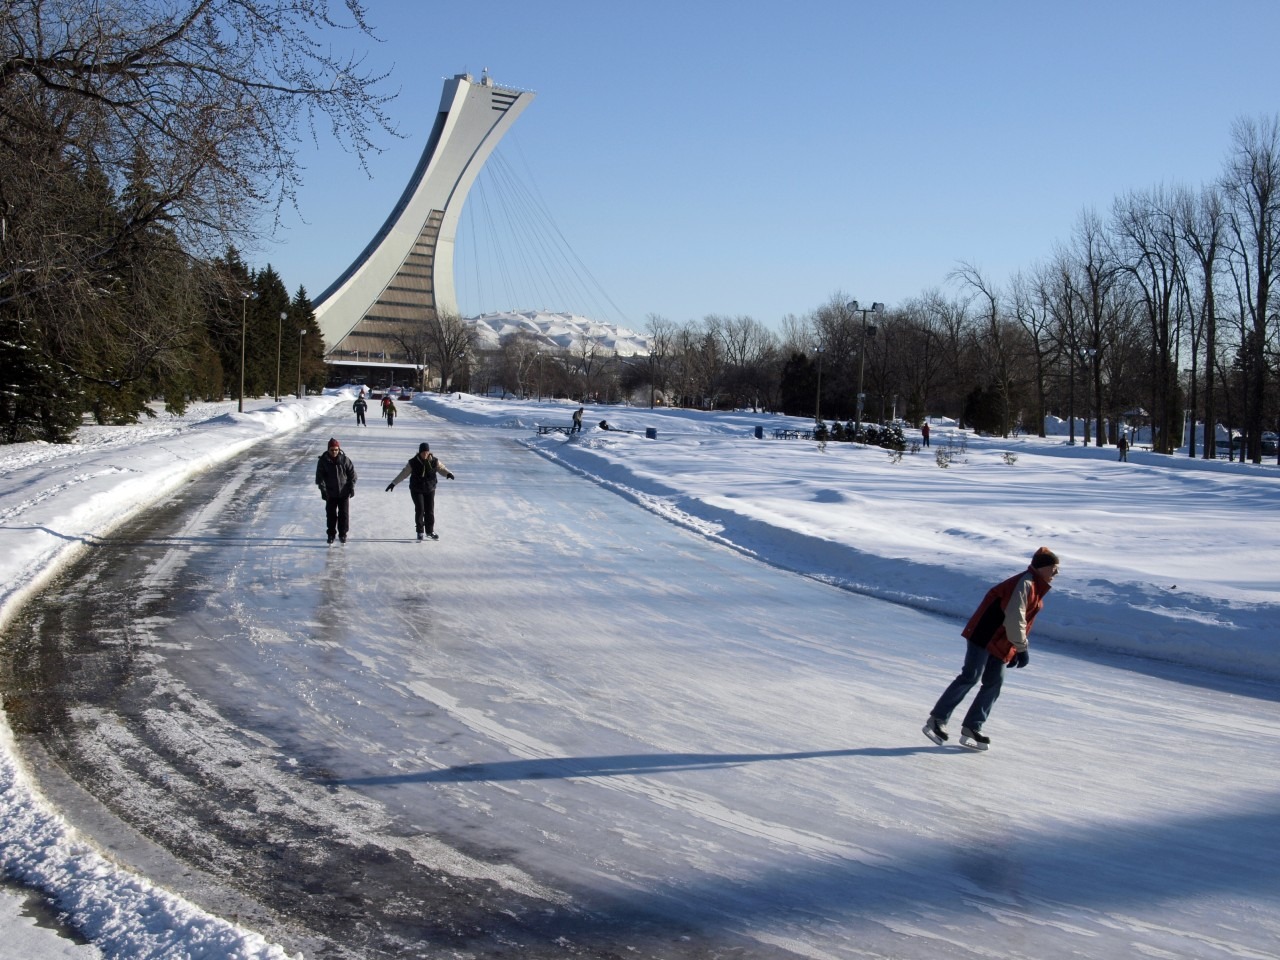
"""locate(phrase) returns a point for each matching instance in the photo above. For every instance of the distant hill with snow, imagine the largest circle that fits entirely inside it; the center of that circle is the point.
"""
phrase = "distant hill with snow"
(563, 330)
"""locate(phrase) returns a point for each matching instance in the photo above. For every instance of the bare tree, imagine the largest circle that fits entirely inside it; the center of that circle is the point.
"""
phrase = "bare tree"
(1094, 273)
(210, 97)
(452, 342)
(994, 339)
(590, 355)
(520, 354)
(1030, 305)
(750, 350)
(1202, 220)
(662, 335)
(1251, 184)
(1147, 232)
(923, 355)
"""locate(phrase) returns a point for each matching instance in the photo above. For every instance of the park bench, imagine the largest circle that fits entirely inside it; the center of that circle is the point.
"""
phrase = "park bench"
(783, 434)
(553, 428)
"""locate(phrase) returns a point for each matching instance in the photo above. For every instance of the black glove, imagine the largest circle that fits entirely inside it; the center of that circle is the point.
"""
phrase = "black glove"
(390, 487)
(324, 494)
(449, 475)
(1021, 659)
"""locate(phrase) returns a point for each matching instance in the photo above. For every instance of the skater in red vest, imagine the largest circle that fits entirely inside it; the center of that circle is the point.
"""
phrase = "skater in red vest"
(997, 636)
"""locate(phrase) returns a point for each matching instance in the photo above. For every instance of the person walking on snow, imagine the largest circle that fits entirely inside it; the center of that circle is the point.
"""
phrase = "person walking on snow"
(997, 635)
(423, 472)
(924, 432)
(360, 406)
(577, 422)
(1123, 447)
(336, 478)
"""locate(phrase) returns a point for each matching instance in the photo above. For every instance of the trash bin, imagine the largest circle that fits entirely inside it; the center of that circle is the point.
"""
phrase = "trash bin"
(651, 433)
(759, 433)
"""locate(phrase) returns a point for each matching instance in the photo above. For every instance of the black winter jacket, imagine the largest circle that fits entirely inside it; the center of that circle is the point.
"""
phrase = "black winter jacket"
(336, 476)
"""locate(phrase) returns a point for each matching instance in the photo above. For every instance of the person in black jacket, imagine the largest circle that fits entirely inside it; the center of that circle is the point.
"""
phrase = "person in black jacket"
(423, 472)
(360, 406)
(336, 478)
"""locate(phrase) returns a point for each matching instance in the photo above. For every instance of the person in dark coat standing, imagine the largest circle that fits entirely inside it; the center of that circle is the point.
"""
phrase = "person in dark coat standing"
(997, 636)
(423, 472)
(1123, 447)
(360, 406)
(924, 432)
(336, 478)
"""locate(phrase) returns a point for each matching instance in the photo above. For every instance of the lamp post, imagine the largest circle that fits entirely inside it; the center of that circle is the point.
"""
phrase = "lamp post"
(817, 402)
(862, 350)
(279, 334)
(246, 296)
(301, 333)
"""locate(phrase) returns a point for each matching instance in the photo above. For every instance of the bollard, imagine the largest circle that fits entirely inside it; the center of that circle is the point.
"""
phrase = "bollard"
(651, 433)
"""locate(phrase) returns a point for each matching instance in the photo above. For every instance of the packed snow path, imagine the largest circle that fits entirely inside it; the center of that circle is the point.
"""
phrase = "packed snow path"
(570, 728)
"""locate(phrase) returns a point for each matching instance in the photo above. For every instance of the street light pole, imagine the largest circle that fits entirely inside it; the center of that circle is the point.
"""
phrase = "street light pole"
(817, 402)
(279, 335)
(301, 333)
(862, 351)
(244, 314)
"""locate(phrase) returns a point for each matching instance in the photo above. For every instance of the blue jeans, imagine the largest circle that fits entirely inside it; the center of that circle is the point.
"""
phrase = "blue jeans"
(978, 664)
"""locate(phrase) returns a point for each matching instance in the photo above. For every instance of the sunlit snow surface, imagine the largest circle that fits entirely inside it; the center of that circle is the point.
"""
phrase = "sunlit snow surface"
(635, 709)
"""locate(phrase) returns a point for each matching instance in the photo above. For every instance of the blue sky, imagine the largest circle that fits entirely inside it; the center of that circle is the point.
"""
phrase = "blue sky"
(755, 158)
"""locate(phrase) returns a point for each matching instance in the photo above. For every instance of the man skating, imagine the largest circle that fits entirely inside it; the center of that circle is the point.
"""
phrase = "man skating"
(423, 472)
(336, 478)
(997, 635)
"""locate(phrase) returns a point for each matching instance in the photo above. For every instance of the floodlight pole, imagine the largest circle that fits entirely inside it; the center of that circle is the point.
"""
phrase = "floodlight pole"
(862, 350)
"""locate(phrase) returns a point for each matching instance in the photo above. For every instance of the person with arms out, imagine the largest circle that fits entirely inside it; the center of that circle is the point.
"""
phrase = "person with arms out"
(997, 635)
(360, 406)
(336, 478)
(423, 472)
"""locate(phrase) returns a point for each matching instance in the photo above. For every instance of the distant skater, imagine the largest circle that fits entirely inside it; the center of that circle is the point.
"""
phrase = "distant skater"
(360, 406)
(389, 411)
(924, 432)
(423, 472)
(997, 635)
(1123, 447)
(336, 478)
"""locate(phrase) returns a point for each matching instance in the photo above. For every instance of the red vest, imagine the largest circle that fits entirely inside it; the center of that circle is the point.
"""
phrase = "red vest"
(986, 626)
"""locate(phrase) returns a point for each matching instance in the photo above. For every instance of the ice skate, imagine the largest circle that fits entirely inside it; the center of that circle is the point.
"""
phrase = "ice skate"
(935, 731)
(973, 739)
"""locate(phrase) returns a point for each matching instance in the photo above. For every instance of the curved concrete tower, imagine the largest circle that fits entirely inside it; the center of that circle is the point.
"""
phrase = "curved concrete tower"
(404, 277)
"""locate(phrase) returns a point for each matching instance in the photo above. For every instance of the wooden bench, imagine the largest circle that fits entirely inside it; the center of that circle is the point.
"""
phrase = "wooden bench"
(783, 434)
(553, 428)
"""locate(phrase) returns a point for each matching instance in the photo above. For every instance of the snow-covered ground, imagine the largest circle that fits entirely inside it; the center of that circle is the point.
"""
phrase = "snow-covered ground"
(1163, 558)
